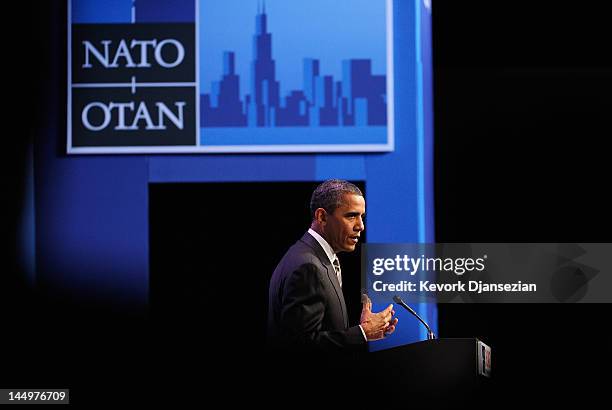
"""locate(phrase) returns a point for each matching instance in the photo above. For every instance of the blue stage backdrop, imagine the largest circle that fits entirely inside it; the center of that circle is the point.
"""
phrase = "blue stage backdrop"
(91, 211)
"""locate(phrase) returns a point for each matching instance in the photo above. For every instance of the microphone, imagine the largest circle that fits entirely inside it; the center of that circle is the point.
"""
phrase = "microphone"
(399, 301)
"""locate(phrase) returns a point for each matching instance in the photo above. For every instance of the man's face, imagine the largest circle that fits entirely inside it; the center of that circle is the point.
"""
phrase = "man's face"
(343, 228)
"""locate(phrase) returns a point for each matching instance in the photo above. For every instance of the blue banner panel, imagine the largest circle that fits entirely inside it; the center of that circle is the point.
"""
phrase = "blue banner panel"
(251, 81)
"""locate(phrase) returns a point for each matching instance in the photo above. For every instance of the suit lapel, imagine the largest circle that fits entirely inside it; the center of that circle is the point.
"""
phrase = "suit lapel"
(331, 272)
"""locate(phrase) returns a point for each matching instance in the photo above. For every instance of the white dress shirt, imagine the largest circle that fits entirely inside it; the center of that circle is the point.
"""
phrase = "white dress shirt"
(331, 255)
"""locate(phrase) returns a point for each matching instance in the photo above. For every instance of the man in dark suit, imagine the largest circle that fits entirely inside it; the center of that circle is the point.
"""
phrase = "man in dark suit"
(307, 310)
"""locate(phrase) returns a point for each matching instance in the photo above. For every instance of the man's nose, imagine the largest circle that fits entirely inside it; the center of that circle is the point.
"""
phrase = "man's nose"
(360, 225)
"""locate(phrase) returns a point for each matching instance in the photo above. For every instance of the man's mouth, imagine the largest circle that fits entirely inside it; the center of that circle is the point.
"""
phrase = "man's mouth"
(354, 239)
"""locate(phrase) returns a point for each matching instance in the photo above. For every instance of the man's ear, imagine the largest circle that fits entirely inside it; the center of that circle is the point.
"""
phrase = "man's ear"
(321, 215)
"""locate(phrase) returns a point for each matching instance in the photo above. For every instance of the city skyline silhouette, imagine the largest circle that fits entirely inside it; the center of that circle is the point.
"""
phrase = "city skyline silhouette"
(358, 99)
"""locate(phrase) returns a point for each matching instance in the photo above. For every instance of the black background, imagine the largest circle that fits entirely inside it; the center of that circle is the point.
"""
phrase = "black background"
(522, 118)
(211, 242)
(522, 115)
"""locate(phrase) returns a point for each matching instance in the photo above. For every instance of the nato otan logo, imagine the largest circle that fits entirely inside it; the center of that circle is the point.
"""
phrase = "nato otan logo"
(131, 86)
(123, 59)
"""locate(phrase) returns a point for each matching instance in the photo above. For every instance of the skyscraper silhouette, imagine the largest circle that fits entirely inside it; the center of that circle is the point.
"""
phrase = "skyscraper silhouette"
(264, 87)
(223, 106)
(358, 100)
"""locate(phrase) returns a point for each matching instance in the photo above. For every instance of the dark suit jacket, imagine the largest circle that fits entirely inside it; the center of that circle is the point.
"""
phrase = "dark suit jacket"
(306, 306)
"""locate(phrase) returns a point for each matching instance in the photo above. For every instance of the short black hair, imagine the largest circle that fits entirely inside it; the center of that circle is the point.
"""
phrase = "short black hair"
(328, 195)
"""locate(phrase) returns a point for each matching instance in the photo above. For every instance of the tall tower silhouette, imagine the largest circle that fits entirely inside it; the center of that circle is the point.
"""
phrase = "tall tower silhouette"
(263, 108)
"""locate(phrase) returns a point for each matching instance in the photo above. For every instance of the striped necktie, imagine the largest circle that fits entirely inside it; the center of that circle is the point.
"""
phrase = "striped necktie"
(336, 264)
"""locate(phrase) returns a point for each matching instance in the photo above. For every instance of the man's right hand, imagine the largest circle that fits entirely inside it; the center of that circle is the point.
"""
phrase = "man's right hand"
(377, 325)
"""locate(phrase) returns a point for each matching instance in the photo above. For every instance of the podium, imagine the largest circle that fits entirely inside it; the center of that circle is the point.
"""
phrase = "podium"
(438, 370)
